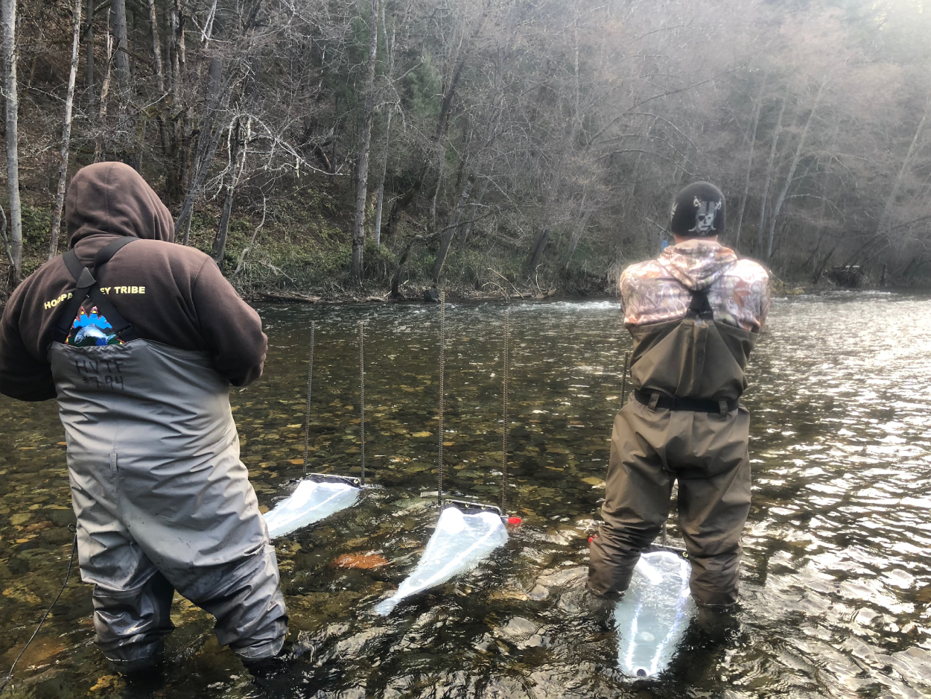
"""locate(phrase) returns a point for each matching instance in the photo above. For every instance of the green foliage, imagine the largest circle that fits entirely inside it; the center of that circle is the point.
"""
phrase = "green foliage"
(319, 204)
(37, 225)
(378, 263)
(421, 88)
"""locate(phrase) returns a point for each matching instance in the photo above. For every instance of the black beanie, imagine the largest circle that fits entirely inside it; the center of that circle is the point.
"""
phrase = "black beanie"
(698, 211)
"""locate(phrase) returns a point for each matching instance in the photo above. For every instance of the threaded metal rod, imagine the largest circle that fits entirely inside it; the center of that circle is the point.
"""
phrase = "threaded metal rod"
(362, 395)
(439, 470)
(504, 431)
(310, 383)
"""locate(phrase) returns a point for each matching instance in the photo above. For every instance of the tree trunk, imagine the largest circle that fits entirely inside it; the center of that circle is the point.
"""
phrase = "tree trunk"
(9, 57)
(754, 127)
(159, 79)
(466, 230)
(769, 176)
(66, 132)
(121, 41)
(100, 151)
(380, 199)
(780, 200)
(819, 268)
(447, 236)
(536, 249)
(219, 244)
(179, 57)
(376, 228)
(207, 144)
(218, 97)
(903, 170)
(403, 201)
(89, 50)
(178, 117)
(246, 250)
(362, 164)
(402, 260)
(156, 49)
(577, 235)
(441, 174)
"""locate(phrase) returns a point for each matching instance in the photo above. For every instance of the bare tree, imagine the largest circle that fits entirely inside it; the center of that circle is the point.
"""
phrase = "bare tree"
(10, 92)
(66, 133)
(99, 147)
(121, 43)
(89, 48)
(745, 194)
(793, 166)
(390, 108)
(446, 238)
(769, 175)
(237, 162)
(362, 164)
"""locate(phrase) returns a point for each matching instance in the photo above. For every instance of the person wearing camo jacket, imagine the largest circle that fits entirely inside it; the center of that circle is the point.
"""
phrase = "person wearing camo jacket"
(694, 313)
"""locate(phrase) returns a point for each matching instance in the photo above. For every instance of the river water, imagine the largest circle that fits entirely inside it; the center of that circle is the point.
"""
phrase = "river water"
(835, 582)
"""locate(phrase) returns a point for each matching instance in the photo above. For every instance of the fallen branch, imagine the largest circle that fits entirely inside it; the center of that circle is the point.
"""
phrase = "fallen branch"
(292, 297)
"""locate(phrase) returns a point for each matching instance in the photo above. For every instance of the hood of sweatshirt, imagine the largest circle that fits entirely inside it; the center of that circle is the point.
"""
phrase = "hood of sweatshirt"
(113, 199)
(697, 264)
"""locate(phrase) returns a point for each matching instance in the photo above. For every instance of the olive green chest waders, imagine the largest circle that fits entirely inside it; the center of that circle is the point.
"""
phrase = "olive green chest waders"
(162, 500)
(685, 424)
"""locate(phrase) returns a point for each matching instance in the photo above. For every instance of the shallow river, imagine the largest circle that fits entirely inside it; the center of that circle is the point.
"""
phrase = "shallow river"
(835, 582)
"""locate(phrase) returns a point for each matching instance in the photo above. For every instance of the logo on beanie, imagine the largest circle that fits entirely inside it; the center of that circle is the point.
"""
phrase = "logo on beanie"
(704, 217)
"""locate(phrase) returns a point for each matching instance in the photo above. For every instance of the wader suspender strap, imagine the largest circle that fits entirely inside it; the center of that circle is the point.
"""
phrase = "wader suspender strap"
(87, 286)
(699, 307)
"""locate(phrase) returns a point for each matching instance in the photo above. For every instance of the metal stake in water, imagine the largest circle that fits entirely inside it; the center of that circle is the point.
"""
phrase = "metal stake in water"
(439, 470)
(362, 395)
(310, 379)
(504, 431)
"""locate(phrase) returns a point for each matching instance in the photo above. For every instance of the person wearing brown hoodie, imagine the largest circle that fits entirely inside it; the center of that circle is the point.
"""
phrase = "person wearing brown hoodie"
(139, 339)
(694, 314)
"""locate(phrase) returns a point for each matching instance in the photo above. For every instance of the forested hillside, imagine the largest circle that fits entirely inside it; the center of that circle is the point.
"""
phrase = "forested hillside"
(331, 147)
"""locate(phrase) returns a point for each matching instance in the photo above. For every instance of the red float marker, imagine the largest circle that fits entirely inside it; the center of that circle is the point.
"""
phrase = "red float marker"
(514, 521)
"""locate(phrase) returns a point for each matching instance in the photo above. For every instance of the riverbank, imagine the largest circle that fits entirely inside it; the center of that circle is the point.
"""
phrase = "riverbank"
(428, 294)
(307, 259)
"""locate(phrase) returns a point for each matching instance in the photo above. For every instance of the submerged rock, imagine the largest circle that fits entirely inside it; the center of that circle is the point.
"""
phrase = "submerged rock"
(517, 628)
(522, 633)
(362, 561)
(504, 688)
(563, 578)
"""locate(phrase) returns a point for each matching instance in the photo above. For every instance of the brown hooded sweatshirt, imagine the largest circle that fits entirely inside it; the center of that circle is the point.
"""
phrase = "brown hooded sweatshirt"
(171, 294)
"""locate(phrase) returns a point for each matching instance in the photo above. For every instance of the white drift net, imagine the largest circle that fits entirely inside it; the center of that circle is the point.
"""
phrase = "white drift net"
(460, 541)
(310, 502)
(654, 614)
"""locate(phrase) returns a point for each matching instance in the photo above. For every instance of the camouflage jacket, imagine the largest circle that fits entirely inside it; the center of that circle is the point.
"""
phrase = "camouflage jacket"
(657, 290)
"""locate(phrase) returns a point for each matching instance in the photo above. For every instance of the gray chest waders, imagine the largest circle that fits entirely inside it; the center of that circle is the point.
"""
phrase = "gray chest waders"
(162, 500)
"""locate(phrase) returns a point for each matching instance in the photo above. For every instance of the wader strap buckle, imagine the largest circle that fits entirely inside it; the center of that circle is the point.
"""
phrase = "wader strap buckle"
(654, 400)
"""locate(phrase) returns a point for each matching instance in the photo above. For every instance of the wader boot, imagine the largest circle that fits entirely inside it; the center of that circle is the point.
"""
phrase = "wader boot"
(162, 501)
(685, 424)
